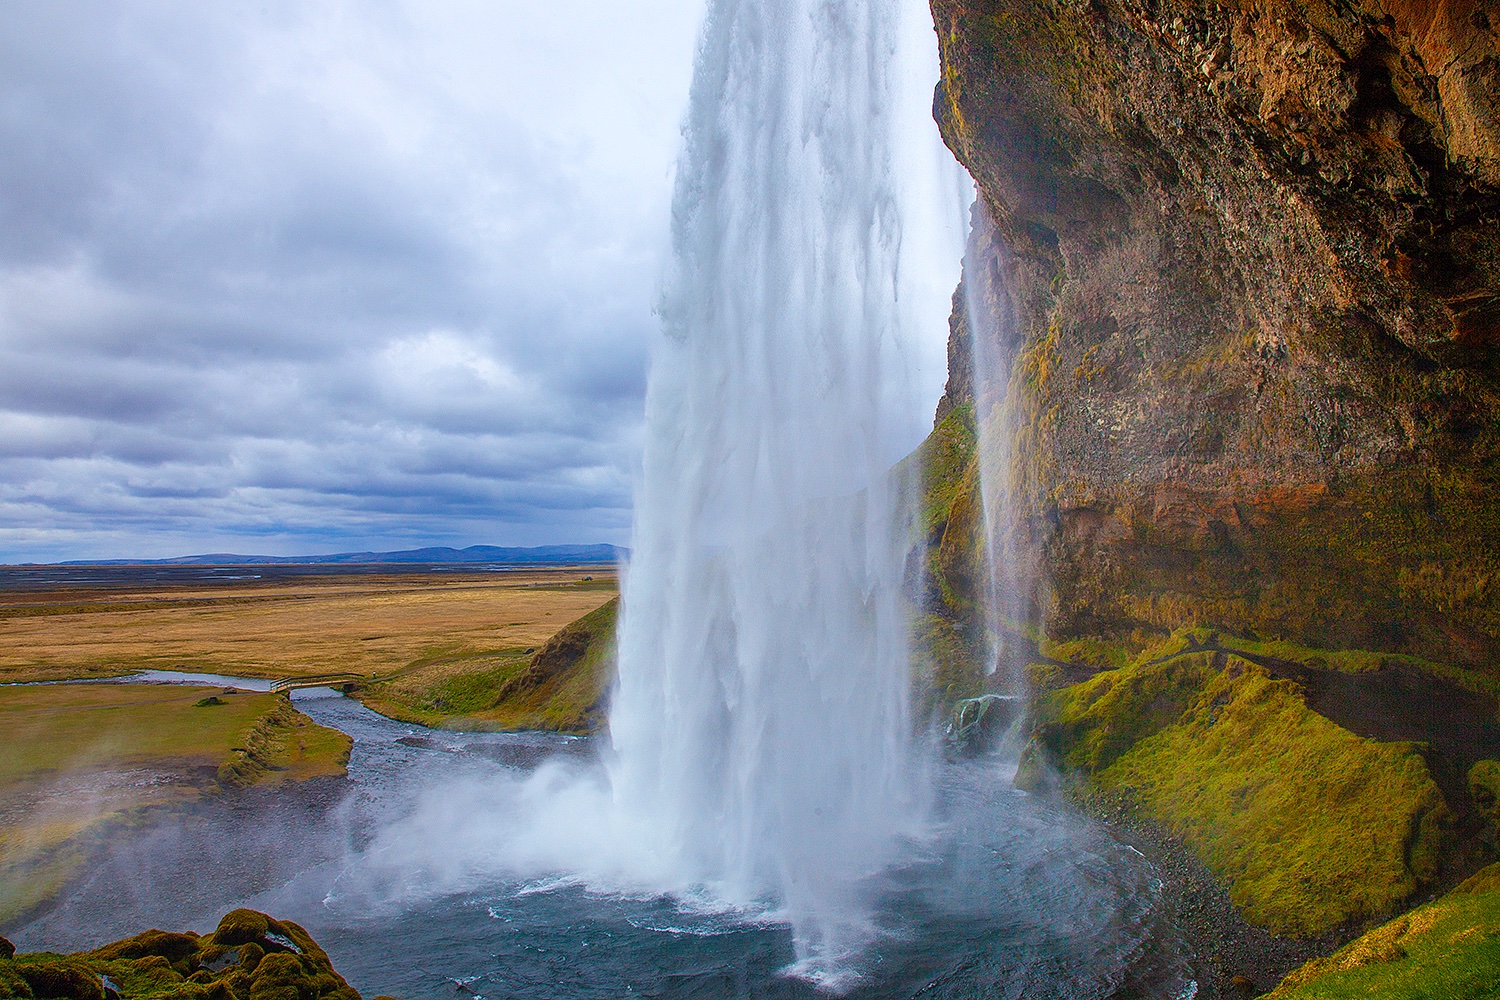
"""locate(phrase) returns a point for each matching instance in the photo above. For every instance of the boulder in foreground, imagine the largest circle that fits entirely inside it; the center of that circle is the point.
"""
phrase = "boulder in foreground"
(250, 956)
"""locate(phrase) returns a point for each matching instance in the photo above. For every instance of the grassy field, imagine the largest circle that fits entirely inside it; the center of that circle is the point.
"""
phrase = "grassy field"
(375, 625)
(80, 757)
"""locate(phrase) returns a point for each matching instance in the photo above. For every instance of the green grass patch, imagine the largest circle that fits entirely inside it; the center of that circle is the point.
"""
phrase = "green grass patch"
(1446, 950)
(559, 686)
(1307, 824)
(1088, 726)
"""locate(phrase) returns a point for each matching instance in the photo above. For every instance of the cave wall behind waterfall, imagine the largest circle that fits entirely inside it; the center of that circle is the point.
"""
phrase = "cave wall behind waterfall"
(1252, 251)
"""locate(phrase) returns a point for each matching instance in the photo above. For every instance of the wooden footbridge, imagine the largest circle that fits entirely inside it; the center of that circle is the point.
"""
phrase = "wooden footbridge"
(343, 682)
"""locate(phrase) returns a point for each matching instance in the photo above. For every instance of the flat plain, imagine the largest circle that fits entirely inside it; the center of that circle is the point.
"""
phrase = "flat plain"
(265, 623)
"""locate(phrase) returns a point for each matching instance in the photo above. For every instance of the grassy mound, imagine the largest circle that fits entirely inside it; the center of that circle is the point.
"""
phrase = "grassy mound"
(560, 686)
(249, 955)
(1307, 824)
(1448, 949)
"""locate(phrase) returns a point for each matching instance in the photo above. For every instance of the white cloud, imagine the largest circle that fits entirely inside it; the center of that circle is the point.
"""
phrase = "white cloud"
(308, 277)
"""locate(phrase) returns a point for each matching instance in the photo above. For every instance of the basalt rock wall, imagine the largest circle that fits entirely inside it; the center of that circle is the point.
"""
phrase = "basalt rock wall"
(1250, 256)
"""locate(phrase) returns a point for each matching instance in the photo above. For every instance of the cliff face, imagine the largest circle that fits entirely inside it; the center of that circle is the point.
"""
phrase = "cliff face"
(1249, 253)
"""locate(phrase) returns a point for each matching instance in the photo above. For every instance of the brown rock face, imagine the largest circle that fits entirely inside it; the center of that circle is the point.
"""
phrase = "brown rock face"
(1251, 251)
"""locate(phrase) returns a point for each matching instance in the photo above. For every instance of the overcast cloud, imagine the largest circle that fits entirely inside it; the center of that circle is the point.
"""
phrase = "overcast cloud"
(292, 277)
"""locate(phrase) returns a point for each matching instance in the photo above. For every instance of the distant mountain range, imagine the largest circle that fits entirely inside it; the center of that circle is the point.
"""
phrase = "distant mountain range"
(540, 555)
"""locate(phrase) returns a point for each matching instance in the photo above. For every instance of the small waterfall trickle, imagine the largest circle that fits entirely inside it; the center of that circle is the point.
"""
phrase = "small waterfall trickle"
(761, 724)
(995, 344)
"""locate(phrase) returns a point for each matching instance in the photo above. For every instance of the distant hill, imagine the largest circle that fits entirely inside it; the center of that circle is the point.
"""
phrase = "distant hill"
(540, 555)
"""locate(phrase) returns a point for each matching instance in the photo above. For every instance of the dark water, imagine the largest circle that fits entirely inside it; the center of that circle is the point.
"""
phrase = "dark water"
(1009, 898)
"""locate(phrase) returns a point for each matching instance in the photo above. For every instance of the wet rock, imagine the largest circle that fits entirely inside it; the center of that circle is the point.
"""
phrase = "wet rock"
(977, 723)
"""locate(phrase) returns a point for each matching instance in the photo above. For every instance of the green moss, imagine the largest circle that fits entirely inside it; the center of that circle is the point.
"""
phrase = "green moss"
(1308, 824)
(1446, 950)
(155, 965)
(1088, 726)
(938, 466)
(946, 663)
(1356, 661)
(1484, 788)
(1094, 651)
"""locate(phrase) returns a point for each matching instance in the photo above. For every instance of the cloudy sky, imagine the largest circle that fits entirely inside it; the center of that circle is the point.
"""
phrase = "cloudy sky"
(294, 278)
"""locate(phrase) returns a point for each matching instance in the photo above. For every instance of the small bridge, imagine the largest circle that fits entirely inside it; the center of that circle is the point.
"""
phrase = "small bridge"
(342, 681)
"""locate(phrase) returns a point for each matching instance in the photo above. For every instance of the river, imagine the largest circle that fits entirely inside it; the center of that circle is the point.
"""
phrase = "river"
(389, 870)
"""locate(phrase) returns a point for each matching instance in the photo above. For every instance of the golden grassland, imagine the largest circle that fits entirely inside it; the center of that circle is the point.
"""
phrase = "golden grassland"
(374, 625)
(78, 757)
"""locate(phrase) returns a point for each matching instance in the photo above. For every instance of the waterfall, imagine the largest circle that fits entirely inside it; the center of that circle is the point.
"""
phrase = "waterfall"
(761, 724)
(995, 342)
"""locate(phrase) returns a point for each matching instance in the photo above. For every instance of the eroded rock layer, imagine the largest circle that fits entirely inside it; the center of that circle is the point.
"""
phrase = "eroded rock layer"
(1251, 254)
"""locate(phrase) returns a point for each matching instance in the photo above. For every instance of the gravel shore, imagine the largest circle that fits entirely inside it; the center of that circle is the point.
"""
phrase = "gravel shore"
(1232, 958)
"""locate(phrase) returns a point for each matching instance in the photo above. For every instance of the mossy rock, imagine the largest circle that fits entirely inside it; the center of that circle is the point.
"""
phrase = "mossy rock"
(1484, 788)
(241, 927)
(278, 960)
(12, 986)
(53, 977)
(173, 947)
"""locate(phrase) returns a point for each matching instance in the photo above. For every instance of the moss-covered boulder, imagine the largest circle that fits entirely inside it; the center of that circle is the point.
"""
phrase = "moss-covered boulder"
(274, 960)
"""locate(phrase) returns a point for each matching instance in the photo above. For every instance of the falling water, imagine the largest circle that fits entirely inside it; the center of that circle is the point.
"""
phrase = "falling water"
(994, 342)
(761, 722)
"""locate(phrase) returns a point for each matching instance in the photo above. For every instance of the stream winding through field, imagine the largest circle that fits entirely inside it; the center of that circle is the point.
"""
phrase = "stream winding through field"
(1012, 898)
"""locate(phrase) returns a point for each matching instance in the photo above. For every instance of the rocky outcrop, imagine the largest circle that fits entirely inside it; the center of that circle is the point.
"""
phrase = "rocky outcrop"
(249, 955)
(1249, 256)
